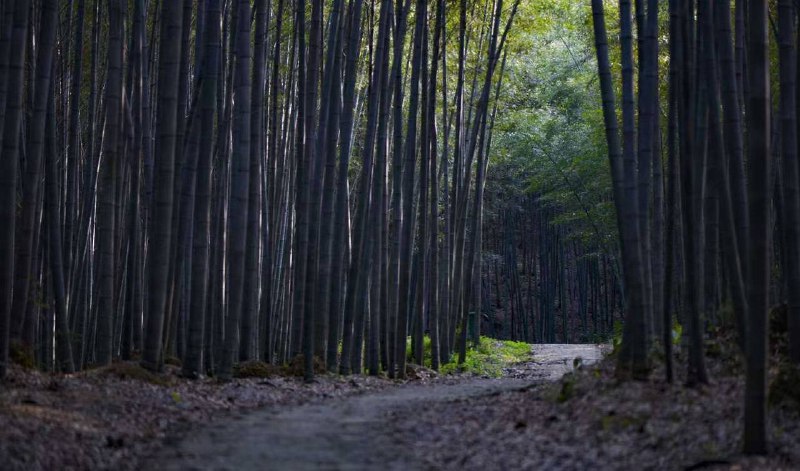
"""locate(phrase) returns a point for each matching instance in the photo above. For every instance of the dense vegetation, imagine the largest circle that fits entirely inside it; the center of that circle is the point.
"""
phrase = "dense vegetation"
(550, 246)
(221, 181)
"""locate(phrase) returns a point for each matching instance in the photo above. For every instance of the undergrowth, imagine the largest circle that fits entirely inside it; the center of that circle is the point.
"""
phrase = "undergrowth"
(489, 358)
(126, 370)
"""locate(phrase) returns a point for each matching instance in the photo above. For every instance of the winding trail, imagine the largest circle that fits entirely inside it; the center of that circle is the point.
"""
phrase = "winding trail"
(349, 433)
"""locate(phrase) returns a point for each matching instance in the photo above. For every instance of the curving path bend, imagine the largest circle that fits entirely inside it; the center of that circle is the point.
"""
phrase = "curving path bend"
(349, 433)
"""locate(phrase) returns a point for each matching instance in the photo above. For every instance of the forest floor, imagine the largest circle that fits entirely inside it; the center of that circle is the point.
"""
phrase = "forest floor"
(118, 416)
(551, 412)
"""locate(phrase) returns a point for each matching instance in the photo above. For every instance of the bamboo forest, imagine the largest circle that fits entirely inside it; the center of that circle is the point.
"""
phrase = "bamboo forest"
(399, 234)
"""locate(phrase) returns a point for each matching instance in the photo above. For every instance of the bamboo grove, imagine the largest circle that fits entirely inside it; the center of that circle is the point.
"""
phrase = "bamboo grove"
(541, 284)
(729, 203)
(218, 181)
(209, 182)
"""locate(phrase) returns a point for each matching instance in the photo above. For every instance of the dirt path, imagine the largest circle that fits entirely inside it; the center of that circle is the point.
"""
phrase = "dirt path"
(348, 434)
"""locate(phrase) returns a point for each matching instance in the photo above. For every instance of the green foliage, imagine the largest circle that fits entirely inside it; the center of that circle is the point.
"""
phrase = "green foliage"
(616, 339)
(549, 139)
(426, 351)
(490, 357)
(677, 333)
(176, 397)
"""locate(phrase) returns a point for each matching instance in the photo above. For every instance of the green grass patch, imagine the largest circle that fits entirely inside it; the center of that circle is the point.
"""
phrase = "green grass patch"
(490, 357)
(426, 351)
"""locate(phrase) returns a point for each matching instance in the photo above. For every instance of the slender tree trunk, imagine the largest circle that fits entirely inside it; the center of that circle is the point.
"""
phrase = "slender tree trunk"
(73, 139)
(300, 252)
(423, 248)
(341, 209)
(693, 170)
(729, 154)
(326, 145)
(106, 188)
(648, 118)
(63, 344)
(251, 289)
(732, 126)
(209, 76)
(240, 180)
(434, 285)
(622, 181)
(397, 194)
(673, 189)
(406, 239)
(357, 279)
(791, 186)
(759, 157)
(166, 143)
(24, 273)
(376, 263)
(5, 56)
